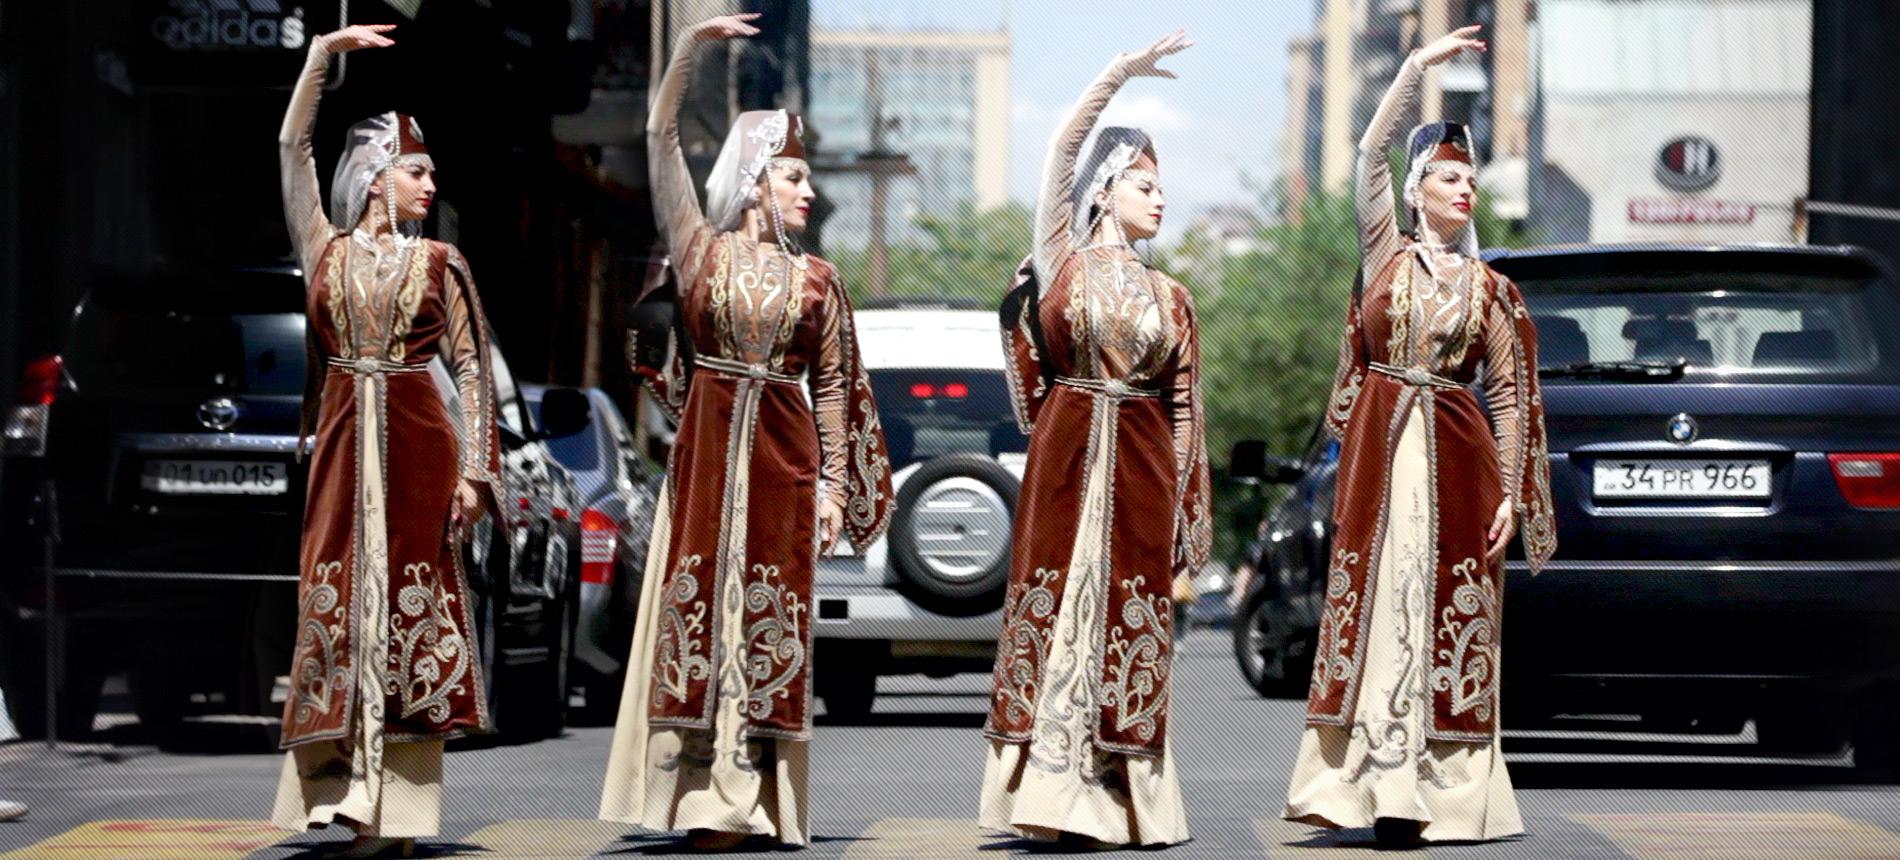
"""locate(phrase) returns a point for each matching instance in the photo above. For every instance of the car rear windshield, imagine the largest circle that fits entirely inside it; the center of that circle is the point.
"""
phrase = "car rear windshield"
(1798, 318)
(930, 413)
(160, 338)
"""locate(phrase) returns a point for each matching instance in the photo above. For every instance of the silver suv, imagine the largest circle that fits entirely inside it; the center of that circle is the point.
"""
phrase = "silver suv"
(927, 598)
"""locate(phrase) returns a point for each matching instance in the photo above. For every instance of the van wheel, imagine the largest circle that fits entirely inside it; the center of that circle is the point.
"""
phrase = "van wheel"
(848, 694)
(950, 538)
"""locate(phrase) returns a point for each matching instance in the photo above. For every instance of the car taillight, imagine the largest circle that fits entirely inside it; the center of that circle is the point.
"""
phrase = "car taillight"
(1868, 480)
(600, 536)
(25, 430)
(922, 390)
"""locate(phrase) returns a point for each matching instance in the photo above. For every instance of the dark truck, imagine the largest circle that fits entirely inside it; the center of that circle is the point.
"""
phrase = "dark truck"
(1725, 460)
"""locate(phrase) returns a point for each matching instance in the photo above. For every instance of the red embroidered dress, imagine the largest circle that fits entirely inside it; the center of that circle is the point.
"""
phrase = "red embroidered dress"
(1101, 350)
(385, 655)
(718, 702)
(1402, 711)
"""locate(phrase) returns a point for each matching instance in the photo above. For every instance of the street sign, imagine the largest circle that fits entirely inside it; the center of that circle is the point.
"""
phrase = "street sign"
(1688, 164)
(225, 43)
(1689, 210)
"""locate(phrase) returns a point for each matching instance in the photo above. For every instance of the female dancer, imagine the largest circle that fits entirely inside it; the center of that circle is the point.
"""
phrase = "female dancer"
(385, 667)
(716, 713)
(1101, 353)
(1402, 718)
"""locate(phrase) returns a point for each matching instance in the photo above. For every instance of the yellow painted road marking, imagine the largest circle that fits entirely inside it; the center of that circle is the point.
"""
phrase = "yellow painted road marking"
(535, 838)
(1286, 840)
(1744, 836)
(920, 839)
(154, 839)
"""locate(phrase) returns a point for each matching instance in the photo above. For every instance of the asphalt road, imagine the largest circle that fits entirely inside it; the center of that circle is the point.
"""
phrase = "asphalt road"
(904, 785)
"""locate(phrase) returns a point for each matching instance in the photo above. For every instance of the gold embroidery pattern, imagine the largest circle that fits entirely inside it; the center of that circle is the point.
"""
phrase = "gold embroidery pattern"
(1330, 661)
(322, 670)
(1399, 314)
(1467, 669)
(1025, 644)
(335, 297)
(676, 661)
(408, 301)
(775, 642)
(433, 657)
(1137, 667)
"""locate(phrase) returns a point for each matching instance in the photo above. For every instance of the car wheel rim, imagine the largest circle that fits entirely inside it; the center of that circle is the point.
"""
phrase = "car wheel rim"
(960, 527)
(1257, 644)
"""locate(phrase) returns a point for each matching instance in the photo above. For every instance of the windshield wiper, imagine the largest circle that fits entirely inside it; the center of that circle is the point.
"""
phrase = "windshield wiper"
(1641, 371)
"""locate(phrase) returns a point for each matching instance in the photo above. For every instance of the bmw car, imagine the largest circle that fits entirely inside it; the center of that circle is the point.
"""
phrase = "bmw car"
(1725, 460)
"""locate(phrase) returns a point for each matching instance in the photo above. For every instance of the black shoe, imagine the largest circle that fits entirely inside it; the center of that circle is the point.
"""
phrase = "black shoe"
(1398, 833)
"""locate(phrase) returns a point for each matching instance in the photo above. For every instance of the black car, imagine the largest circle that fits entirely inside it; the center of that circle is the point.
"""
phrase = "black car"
(152, 506)
(618, 496)
(1725, 462)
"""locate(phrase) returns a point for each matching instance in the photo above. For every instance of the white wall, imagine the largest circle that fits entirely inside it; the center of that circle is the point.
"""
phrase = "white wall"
(1621, 78)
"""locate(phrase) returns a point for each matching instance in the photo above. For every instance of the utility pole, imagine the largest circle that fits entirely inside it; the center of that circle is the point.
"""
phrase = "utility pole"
(880, 263)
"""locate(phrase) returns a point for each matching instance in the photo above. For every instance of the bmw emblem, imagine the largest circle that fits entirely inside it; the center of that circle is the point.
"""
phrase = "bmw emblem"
(218, 413)
(1682, 429)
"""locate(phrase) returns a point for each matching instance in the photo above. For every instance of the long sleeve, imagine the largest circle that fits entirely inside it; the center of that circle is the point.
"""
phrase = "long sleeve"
(1055, 202)
(830, 390)
(1504, 393)
(464, 348)
(1517, 414)
(675, 204)
(310, 230)
(1187, 421)
(1379, 235)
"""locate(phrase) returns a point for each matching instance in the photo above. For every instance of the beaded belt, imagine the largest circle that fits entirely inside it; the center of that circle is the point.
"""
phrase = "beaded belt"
(741, 369)
(1414, 376)
(1111, 387)
(376, 365)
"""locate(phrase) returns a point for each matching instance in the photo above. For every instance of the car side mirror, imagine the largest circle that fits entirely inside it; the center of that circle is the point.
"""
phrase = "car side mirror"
(1282, 470)
(564, 412)
(1247, 462)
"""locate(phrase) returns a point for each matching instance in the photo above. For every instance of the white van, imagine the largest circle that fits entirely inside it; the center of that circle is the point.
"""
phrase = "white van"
(927, 598)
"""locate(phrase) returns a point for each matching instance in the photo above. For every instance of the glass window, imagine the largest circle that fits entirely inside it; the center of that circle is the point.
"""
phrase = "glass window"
(1769, 325)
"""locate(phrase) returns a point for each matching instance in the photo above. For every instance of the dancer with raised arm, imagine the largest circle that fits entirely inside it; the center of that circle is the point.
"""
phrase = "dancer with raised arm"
(1114, 504)
(1402, 716)
(715, 719)
(386, 666)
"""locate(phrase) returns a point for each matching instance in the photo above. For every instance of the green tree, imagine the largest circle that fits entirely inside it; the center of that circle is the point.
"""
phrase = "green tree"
(965, 253)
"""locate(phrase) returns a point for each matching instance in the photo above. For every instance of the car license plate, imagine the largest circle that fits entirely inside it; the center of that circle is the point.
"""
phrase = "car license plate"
(216, 477)
(1682, 479)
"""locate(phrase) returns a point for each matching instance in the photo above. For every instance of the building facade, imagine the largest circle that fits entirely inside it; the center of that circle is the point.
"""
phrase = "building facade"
(924, 113)
(1672, 120)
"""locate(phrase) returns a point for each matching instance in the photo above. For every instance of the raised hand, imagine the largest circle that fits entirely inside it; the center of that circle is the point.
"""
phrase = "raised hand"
(356, 36)
(1141, 64)
(725, 27)
(1451, 45)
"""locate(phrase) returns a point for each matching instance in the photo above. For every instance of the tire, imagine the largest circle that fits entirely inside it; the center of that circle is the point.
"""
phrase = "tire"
(1876, 745)
(602, 694)
(84, 679)
(1801, 722)
(1259, 651)
(545, 685)
(965, 504)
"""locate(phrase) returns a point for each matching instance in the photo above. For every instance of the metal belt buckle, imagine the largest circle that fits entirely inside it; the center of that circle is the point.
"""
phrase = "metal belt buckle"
(1417, 376)
(1115, 388)
(756, 371)
(367, 365)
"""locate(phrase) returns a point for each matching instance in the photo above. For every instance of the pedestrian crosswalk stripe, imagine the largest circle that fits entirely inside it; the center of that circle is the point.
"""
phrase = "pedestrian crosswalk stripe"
(537, 838)
(1744, 836)
(919, 839)
(1285, 840)
(154, 839)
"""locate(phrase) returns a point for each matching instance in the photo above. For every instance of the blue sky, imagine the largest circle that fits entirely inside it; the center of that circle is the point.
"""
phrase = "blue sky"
(1221, 120)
